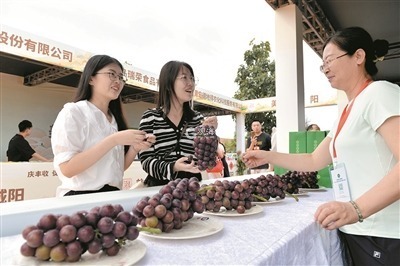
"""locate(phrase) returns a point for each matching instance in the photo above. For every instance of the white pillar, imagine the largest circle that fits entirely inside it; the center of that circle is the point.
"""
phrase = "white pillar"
(290, 113)
(240, 132)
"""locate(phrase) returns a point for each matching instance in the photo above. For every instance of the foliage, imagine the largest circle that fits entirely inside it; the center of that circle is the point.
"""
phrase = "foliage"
(256, 79)
(240, 165)
(230, 145)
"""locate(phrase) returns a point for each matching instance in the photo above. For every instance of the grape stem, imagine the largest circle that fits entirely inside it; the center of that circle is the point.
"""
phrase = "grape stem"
(150, 230)
(205, 188)
(293, 196)
(259, 197)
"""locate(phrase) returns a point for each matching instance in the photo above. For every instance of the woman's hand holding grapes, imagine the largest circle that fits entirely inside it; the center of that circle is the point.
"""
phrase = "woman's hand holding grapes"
(211, 121)
(182, 165)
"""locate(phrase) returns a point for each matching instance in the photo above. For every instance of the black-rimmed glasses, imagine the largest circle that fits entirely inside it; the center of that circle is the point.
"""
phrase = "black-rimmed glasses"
(113, 76)
(328, 62)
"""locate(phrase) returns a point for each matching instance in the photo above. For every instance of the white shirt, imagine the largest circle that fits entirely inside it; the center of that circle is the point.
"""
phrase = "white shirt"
(78, 127)
(366, 156)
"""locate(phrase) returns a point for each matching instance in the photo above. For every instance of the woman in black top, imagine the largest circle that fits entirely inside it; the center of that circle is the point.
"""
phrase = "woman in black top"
(172, 122)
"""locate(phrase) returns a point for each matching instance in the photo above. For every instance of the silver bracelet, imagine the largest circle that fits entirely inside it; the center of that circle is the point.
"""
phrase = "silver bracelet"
(360, 216)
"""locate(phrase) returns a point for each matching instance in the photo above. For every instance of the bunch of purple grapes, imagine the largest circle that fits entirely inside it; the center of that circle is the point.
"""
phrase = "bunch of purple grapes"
(205, 147)
(293, 181)
(67, 237)
(309, 179)
(269, 186)
(174, 204)
(232, 195)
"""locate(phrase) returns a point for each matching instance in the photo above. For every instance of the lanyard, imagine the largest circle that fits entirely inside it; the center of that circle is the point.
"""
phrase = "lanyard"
(345, 115)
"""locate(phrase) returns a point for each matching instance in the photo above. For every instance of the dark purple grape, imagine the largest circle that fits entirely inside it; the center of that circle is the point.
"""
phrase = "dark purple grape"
(92, 218)
(119, 229)
(73, 259)
(165, 189)
(153, 201)
(107, 240)
(51, 238)
(177, 193)
(27, 230)
(62, 221)
(168, 217)
(27, 251)
(177, 213)
(107, 210)
(176, 203)
(185, 204)
(74, 249)
(95, 209)
(95, 246)
(117, 209)
(198, 206)
(105, 225)
(85, 234)
(35, 238)
(148, 211)
(167, 227)
(113, 250)
(77, 219)
(166, 201)
(124, 217)
(47, 222)
(141, 204)
(132, 233)
(178, 224)
(240, 209)
(160, 211)
(68, 233)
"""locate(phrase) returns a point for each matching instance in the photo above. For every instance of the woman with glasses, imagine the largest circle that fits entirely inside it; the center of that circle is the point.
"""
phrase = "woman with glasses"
(363, 146)
(172, 122)
(91, 143)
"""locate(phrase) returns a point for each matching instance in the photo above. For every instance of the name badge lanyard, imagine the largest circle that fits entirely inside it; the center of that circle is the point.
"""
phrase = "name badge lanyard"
(345, 115)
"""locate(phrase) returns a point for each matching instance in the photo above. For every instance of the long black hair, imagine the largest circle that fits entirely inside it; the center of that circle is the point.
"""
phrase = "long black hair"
(168, 74)
(353, 38)
(84, 92)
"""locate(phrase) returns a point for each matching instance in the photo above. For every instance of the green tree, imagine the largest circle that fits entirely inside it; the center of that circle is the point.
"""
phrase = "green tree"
(256, 79)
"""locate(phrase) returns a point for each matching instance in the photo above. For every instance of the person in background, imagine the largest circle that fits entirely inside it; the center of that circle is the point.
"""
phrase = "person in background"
(90, 138)
(223, 160)
(273, 147)
(364, 147)
(313, 127)
(19, 149)
(258, 140)
(173, 122)
(218, 170)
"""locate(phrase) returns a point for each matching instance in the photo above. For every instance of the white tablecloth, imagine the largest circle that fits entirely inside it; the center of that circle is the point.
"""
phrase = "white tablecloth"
(283, 234)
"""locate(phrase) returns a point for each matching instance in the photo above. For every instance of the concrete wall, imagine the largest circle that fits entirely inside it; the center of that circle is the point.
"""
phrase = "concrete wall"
(41, 104)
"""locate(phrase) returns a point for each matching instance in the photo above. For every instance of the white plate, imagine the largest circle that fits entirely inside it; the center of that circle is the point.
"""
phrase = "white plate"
(223, 212)
(314, 189)
(301, 193)
(129, 254)
(270, 201)
(198, 226)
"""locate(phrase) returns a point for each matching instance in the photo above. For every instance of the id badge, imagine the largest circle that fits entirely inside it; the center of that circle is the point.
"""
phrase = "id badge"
(340, 183)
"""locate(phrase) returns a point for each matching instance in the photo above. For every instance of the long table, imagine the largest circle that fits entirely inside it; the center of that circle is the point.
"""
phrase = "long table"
(284, 233)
